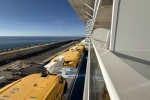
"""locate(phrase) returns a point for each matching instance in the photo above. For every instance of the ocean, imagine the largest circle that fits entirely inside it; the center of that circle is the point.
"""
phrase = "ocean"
(8, 42)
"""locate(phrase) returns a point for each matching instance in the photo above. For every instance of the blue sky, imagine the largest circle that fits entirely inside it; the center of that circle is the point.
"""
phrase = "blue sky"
(39, 18)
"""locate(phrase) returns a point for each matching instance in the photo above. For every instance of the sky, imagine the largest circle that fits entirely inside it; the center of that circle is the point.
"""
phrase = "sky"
(39, 18)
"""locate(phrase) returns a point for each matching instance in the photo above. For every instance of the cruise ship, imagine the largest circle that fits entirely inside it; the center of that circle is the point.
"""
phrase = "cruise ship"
(118, 37)
(117, 64)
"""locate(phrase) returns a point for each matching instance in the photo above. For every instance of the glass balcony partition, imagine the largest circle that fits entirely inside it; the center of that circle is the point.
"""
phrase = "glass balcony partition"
(94, 82)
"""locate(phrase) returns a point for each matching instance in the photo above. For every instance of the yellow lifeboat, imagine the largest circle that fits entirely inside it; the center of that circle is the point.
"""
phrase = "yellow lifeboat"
(80, 47)
(71, 58)
(35, 86)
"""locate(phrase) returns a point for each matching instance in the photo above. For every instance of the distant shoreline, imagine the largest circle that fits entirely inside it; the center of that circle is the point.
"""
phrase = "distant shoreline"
(8, 43)
(17, 48)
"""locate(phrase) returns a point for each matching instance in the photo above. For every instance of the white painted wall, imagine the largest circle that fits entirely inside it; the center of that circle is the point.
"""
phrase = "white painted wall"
(130, 34)
(133, 29)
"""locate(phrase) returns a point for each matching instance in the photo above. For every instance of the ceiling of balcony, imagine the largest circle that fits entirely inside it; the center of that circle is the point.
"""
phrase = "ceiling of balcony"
(103, 18)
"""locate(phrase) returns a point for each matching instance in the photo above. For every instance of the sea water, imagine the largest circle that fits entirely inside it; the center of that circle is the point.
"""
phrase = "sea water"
(8, 42)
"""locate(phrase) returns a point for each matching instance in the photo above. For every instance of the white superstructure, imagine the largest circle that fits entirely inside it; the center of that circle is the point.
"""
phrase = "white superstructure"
(117, 38)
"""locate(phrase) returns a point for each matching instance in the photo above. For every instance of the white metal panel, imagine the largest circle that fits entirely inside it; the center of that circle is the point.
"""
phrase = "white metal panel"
(133, 29)
(130, 34)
